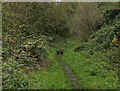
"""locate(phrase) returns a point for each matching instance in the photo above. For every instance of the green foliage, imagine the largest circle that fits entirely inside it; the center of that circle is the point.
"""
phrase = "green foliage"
(13, 77)
(25, 53)
(84, 21)
(27, 35)
(93, 71)
(97, 58)
(104, 38)
(110, 14)
(52, 77)
(31, 29)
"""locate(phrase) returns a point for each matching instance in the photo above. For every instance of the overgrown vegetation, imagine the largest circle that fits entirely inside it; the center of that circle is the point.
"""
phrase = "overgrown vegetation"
(32, 32)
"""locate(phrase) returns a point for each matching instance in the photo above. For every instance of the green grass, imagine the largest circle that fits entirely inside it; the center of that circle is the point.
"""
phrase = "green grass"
(91, 71)
(53, 77)
(84, 65)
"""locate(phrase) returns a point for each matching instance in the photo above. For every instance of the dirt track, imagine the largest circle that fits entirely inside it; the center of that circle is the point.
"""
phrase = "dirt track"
(71, 75)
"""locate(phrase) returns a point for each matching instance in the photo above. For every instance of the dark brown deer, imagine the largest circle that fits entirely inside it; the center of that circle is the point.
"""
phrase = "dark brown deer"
(60, 52)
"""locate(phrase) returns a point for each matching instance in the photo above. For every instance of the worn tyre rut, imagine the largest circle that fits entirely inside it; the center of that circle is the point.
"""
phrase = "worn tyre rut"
(70, 74)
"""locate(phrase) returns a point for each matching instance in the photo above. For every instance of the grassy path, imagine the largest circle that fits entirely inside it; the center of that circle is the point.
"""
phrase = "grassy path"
(70, 74)
(74, 70)
(54, 77)
(91, 71)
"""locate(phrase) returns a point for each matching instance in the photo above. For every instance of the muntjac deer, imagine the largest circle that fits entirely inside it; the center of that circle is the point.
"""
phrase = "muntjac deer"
(60, 52)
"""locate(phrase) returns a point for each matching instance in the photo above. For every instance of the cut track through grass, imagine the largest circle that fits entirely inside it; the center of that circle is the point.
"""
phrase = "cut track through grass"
(90, 70)
(53, 77)
(74, 70)
(70, 74)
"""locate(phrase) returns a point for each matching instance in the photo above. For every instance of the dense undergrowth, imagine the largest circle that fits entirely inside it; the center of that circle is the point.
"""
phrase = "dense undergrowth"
(30, 44)
(92, 71)
(96, 61)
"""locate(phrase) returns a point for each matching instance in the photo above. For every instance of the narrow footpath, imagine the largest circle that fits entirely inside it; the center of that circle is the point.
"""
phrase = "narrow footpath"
(70, 74)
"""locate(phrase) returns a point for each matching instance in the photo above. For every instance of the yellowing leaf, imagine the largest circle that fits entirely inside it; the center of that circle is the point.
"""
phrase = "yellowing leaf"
(5, 39)
(26, 45)
(12, 41)
(42, 43)
(114, 40)
(20, 26)
(52, 11)
(29, 40)
(27, 49)
(5, 64)
(111, 27)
